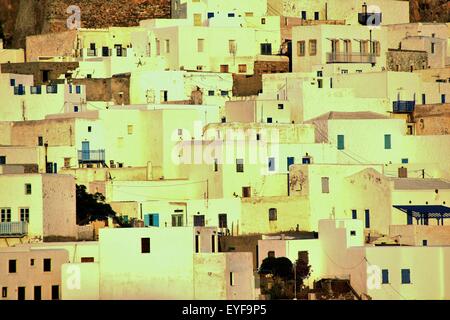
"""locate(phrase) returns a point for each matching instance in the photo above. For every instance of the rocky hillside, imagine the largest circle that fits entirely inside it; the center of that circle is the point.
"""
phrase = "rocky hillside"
(20, 18)
(430, 10)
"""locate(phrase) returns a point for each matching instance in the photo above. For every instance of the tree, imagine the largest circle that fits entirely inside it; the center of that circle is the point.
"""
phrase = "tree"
(303, 271)
(278, 267)
(91, 207)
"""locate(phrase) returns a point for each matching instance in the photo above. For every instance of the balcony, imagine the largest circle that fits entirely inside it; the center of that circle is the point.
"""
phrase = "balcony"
(91, 52)
(91, 156)
(13, 229)
(354, 57)
(401, 106)
(370, 19)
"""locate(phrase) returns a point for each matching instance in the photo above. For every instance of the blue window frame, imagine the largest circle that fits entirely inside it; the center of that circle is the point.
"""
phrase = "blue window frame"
(406, 276)
(271, 164)
(70, 88)
(354, 214)
(231, 15)
(385, 276)
(367, 211)
(211, 93)
(304, 15)
(443, 98)
(12, 82)
(340, 142)
(75, 109)
(290, 162)
(405, 161)
(387, 142)
(52, 89)
(151, 220)
(78, 89)
(224, 93)
(210, 15)
(36, 90)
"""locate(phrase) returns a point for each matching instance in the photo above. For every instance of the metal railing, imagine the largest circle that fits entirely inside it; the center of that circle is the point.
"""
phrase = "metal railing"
(404, 106)
(13, 229)
(353, 57)
(91, 155)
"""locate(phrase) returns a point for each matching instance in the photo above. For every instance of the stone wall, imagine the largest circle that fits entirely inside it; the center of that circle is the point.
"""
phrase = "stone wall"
(403, 60)
(116, 89)
(56, 69)
(433, 119)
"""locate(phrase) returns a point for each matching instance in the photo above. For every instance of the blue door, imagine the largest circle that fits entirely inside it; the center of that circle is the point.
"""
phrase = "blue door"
(85, 150)
(290, 162)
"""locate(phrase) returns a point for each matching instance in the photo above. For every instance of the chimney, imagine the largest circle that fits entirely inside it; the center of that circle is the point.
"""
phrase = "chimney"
(402, 172)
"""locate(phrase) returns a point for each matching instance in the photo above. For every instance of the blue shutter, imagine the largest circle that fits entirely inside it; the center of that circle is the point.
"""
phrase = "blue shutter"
(443, 98)
(354, 214)
(385, 276)
(156, 220)
(387, 141)
(406, 276)
(147, 220)
(290, 161)
(341, 142)
(271, 164)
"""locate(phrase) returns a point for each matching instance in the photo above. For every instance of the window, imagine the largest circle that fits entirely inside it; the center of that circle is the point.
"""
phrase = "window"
(35, 89)
(433, 47)
(151, 220)
(367, 211)
(316, 15)
(387, 142)
(5, 214)
(211, 93)
(384, 276)
(272, 164)
(2, 160)
(197, 243)
(223, 220)
(347, 46)
(47, 265)
(266, 48)
(231, 278)
(5, 292)
(405, 161)
(216, 165)
(158, 47)
(213, 243)
(443, 98)
(40, 141)
(242, 68)
(239, 165)
(224, 68)
(312, 47)
(344, 71)
(271, 254)
(376, 48)
(167, 46)
(210, 15)
(12, 266)
(424, 98)
(280, 106)
(25, 215)
(28, 188)
(89, 129)
(130, 129)
(232, 46)
(353, 233)
(21, 293)
(55, 292)
(78, 89)
(406, 276)
(224, 93)
(12, 82)
(425, 243)
(263, 20)
(75, 109)
(199, 221)
(364, 47)
(325, 185)
(19, 90)
(37, 293)
(87, 260)
(246, 192)
(320, 83)
(31, 262)
(177, 220)
(105, 51)
(269, 120)
(52, 89)
(272, 214)
(231, 15)
(354, 214)
(145, 245)
(303, 15)
(301, 48)
(340, 142)
(200, 45)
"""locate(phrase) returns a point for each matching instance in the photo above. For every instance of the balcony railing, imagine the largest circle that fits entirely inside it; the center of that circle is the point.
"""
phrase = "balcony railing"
(370, 19)
(91, 52)
(91, 156)
(355, 57)
(401, 106)
(13, 229)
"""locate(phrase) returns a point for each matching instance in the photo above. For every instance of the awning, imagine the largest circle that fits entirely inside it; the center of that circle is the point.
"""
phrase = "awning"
(428, 211)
